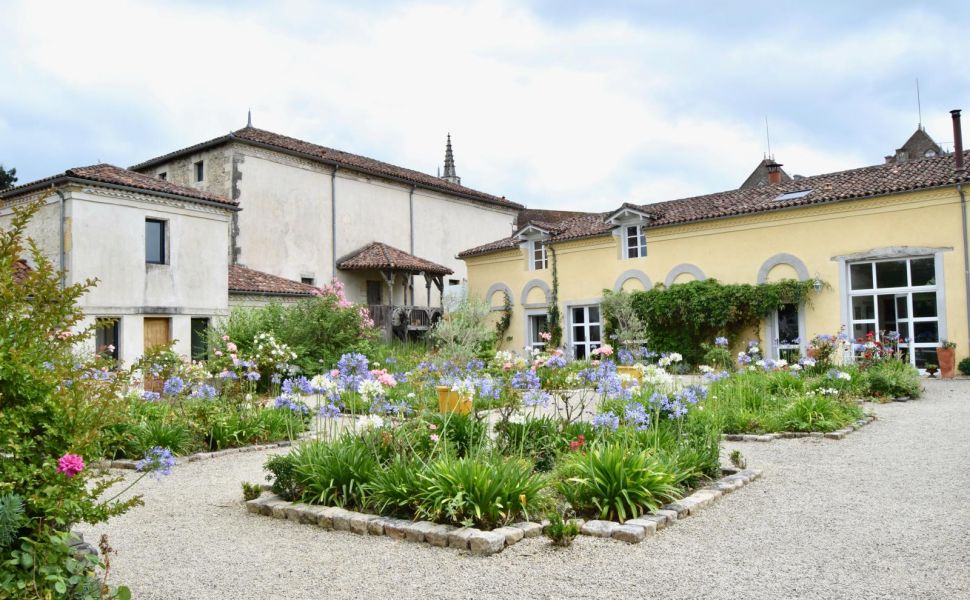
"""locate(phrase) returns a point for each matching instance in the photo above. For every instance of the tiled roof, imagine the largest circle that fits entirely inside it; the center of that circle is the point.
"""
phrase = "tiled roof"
(544, 218)
(866, 182)
(113, 175)
(249, 281)
(381, 256)
(332, 156)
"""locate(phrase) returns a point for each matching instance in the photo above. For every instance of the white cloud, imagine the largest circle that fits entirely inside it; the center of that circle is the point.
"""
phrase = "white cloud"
(582, 114)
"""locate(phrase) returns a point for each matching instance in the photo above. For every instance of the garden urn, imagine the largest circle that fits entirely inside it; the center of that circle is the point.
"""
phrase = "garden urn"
(946, 357)
(450, 400)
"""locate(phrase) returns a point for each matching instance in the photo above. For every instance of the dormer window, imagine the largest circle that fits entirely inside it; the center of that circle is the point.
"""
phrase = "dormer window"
(635, 241)
(537, 255)
(630, 223)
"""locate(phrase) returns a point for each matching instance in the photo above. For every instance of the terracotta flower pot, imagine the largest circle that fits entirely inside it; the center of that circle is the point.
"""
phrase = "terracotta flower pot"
(451, 401)
(947, 359)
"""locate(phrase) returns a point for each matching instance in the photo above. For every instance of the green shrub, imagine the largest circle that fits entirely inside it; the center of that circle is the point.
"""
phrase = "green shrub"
(465, 332)
(462, 434)
(615, 481)
(812, 413)
(538, 440)
(964, 366)
(334, 473)
(251, 491)
(11, 518)
(559, 531)
(893, 379)
(283, 476)
(480, 491)
(164, 434)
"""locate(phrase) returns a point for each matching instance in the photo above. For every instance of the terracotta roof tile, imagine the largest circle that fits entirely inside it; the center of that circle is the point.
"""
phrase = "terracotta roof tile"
(878, 180)
(113, 175)
(245, 280)
(377, 255)
(330, 155)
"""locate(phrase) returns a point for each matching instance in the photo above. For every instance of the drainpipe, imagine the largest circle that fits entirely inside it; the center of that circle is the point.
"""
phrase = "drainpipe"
(411, 237)
(60, 250)
(333, 221)
(960, 170)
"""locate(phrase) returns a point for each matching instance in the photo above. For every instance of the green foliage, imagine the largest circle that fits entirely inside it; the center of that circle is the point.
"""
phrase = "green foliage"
(464, 333)
(251, 491)
(11, 518)
(334, 473)
(738, 460)
(283, 476)
(538, 440)
(682, 317)
(502, 325)
(717, 357)
(463, 434)
(317, 329)
(621, 318)
(893, 378)
(812, 413)
(559, 531)
(615, 481)
(395, 488)
(554, 317)
(484, 491)
(164, 434)
(52, 402)
(8, 177)
(964, 366)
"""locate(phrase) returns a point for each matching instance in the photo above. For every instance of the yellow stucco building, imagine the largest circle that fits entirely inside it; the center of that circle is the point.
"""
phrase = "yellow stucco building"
(890, 240)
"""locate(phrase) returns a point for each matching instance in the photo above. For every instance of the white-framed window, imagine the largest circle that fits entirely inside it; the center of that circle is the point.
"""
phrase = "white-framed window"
(537, 324)
(788, 333)
(897, 295)
(586, 331)
(634, 241)
(537, 255)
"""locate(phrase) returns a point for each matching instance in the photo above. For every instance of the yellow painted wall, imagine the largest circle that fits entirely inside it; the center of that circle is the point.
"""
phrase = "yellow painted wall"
(733, 250)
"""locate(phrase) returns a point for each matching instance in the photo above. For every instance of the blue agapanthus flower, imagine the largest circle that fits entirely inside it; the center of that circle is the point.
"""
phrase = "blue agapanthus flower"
(607, 420)
(158, 461)
(526, 380)
(173, 385)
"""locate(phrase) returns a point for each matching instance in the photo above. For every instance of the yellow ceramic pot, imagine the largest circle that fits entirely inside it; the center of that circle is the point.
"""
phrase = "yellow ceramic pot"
(630, 371)
(451, 401)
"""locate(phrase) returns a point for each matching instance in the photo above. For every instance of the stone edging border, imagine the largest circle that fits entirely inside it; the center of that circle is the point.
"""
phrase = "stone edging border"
(129, 464)
(770, 437)
(486, 543)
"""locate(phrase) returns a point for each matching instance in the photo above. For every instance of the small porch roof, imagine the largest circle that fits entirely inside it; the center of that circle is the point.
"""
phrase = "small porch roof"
(377, 256)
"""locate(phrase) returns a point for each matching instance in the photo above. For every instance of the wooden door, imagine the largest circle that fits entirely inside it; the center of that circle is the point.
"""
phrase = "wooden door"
(156, 334)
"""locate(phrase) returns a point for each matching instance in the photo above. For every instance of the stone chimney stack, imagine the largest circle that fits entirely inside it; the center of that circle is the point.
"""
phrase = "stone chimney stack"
(774, 171)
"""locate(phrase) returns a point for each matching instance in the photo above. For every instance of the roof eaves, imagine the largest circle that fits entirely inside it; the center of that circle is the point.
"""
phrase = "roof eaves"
(52, 182)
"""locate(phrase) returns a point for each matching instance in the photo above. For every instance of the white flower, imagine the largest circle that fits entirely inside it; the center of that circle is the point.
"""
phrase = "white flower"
(705, 369)
(369, 421)
(517, 419)
(754, 350)
(796, 368)
(370, 389)
(760, 363)
(324, 384)
(411, 395)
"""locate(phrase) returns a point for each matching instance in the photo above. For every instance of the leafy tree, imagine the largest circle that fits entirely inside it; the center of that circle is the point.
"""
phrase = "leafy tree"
(8, 177)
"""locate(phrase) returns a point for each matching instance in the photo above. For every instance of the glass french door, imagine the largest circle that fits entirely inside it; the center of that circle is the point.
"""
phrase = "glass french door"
(586, 330)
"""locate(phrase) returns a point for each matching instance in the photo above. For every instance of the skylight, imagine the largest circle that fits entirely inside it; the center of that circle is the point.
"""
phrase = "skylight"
(792, 195)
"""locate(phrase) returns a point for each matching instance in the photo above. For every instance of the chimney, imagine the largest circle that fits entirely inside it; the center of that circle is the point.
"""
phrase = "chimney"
(957, 141)
(774, 171)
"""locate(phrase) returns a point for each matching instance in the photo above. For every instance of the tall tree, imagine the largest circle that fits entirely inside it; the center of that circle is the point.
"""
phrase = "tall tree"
(7, 178)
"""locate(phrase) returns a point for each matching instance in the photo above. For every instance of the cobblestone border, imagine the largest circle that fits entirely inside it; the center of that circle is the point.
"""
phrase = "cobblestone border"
(486, 543)
(129, 464)
(770, 437)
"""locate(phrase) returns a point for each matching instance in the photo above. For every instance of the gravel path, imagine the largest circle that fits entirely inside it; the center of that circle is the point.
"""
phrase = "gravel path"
(883, 513)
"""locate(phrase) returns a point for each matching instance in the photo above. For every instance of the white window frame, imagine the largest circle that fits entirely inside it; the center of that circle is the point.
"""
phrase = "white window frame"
(538, 263)
(901, 292)
(588, 345)
(786, 347)
(532, 339)
(634, 241)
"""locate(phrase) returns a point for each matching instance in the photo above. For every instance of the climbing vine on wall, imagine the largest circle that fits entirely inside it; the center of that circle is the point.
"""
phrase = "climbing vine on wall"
(555, 317)
(682, 317)
(502, 326)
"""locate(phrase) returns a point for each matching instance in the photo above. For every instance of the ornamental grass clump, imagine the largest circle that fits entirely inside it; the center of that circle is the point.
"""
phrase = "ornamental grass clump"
(334, 473)
(616, 481)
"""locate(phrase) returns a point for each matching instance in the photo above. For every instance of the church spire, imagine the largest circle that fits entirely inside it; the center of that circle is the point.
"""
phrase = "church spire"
(450, 174)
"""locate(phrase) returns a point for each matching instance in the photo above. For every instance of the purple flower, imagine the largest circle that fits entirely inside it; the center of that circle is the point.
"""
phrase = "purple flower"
(534, 398)
(635, 414)
(329, 411)
(151, 396)
(557, 361)
(721, 342)
(174, 385)
(606, 420)
(158, 461)
(526, 380)
(252, 376)
(204, 391)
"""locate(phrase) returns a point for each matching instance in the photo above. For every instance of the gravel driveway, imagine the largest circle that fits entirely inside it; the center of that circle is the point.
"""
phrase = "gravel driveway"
(884, 513)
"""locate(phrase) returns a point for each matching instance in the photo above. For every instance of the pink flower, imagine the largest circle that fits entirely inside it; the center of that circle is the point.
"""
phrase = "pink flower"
(70, 464)
(604, 350)
(385, 378)
(435, 438)
(225, 338)
(507, 366)
(432, 427)
(231, 347)
(545, 335)
(335, 373)
(218, 352)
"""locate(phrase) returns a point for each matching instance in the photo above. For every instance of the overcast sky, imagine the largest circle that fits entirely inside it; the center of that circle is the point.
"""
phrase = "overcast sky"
(554, 104)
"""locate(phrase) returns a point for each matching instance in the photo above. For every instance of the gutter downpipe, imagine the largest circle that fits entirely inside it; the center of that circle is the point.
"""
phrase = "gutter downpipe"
(960, 169)
(60, 250)
(411, 237)
(333, 222)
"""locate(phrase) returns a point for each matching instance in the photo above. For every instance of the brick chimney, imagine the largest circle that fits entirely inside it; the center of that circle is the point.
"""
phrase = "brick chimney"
(957, 141)
(774, 171)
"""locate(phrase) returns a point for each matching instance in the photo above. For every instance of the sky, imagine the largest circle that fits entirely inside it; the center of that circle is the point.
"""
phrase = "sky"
(552, 103)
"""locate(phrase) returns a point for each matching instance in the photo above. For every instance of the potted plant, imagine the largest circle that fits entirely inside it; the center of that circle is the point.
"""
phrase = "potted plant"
(946, 355)
(454, 399)
(931, 369)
